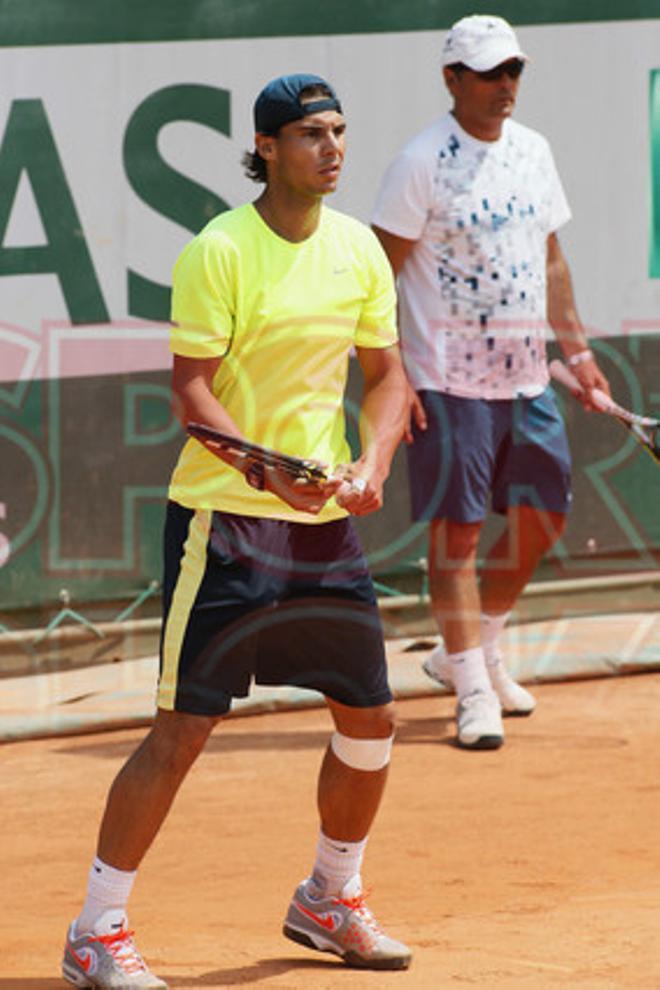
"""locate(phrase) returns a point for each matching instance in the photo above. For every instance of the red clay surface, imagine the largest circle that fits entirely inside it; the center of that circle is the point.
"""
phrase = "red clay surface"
(537, 866)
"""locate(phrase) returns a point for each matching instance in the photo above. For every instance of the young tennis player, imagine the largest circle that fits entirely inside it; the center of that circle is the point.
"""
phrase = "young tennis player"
(468, 214)
(264, 578)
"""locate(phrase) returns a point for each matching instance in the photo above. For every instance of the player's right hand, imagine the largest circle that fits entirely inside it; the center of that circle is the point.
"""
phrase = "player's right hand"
(301, 494)
(590, 377)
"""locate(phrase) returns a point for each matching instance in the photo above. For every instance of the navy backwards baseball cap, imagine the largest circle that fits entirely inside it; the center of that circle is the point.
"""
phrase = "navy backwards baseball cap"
(279, 103)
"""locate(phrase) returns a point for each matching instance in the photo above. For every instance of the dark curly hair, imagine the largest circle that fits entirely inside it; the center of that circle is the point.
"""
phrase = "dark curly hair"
(254, 166)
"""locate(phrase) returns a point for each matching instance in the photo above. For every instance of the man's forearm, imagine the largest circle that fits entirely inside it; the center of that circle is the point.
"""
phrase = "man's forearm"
(564, 320)
(562, 310)
(383, 417)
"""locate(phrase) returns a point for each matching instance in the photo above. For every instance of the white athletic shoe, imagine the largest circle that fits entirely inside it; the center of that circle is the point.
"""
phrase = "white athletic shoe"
(438, 668)
(514, 698)
(107, 958)
(479, 720)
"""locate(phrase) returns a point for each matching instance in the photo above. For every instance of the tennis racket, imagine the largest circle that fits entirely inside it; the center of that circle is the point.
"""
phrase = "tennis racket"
(645, 429)
(297, 467)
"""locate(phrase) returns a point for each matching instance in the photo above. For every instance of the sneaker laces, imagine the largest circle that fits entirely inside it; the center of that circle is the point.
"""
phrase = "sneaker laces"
(477, 699)
(359, 906)
(123, 950)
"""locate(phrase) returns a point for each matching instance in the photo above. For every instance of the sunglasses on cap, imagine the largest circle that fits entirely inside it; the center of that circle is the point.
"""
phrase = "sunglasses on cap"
(513, 69)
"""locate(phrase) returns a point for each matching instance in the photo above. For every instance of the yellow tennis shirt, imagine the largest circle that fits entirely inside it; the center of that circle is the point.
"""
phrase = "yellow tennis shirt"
(284, 317)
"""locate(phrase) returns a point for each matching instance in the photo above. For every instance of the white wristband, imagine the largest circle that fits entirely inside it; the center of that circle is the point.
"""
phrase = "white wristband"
(579, 358)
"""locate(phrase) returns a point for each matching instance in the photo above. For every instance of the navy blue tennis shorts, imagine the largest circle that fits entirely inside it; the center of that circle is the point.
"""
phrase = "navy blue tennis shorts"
(478, 453)
(266, 599)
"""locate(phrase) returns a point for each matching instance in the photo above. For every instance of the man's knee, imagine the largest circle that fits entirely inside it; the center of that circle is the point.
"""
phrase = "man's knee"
(544, 528)
(365, 723)
(363, 740)
(452, 542)
(177, 738)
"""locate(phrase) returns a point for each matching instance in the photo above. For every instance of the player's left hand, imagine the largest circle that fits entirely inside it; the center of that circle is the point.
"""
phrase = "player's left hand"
(359, 493)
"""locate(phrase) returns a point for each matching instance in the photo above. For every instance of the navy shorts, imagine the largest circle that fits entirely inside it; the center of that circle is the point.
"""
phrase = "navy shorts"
(479, 452)
(266, 599)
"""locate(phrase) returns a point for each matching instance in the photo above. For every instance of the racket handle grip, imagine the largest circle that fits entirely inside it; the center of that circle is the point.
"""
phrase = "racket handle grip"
(561, 373)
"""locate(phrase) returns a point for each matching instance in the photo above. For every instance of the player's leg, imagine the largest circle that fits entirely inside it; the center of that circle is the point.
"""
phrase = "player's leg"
(511, 561)
(99, 943)
(334, 644)
(143, 791)
(195, 689)
(533, 488)
(453, 582)
(460, 662)
(328, 910)
(349, 793)
(451, 466)
(508, 567)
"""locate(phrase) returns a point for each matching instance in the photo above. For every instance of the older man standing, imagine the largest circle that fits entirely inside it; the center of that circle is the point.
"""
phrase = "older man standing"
(468, 213)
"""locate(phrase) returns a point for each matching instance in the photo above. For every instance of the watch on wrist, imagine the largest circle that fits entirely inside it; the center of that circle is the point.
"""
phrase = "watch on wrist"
(579, 358)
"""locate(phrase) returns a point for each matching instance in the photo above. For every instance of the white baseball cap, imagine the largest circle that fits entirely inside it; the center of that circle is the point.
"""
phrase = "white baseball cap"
(481, 42)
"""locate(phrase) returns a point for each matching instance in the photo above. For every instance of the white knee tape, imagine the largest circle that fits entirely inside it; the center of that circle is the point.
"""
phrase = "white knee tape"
(362, 754)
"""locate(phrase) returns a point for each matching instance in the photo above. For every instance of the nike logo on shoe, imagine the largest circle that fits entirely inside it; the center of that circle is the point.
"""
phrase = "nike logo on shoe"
(84, 959)
(325, 920)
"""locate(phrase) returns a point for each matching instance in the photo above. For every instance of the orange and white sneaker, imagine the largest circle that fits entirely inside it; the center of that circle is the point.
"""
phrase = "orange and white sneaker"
(343, 925)
(107, 958)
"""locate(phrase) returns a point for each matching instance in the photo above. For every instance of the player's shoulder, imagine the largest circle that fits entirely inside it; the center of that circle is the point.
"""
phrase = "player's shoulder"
(430, 138)
(343, 224)
(223, 235)
(420, 154)
(522, 134)
(229, 224)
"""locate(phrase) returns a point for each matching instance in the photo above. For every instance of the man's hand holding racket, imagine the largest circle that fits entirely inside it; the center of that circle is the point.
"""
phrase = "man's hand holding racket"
(304, 484)
(587, 379)
(645, 429)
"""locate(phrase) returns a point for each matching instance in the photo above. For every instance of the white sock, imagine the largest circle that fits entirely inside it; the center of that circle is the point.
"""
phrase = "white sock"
(107, 889)
(492, 627)
(468, 671)
(337, 862)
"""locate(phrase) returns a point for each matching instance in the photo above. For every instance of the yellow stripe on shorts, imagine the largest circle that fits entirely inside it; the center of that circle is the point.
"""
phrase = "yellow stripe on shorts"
(193, 565)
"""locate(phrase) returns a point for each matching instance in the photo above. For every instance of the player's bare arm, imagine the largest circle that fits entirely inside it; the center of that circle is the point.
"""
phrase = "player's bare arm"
(564, 320)
(194, 402)
(192, 396)
(383, 416)
(397, 250)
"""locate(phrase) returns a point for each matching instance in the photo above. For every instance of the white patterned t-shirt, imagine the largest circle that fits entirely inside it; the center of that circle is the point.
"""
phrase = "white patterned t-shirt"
(472, 292)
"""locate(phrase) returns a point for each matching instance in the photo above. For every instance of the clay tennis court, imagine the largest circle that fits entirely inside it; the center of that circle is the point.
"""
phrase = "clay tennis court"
(537, 866)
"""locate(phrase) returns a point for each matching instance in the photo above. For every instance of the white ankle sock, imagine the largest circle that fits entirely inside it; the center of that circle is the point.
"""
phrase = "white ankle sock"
(337, 862)
(492, 627)
(468, 671)
(107, 888)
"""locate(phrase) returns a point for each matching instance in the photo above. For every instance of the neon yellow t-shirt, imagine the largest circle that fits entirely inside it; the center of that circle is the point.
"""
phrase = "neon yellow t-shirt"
(283, 316)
